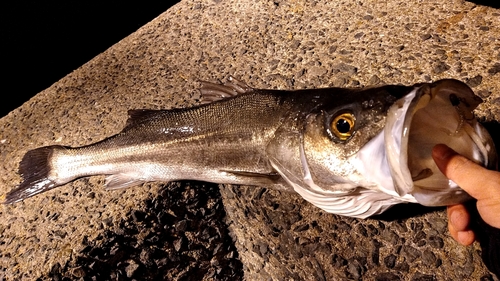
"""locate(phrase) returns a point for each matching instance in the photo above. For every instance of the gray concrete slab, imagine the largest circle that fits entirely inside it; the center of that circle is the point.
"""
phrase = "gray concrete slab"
(268, 44)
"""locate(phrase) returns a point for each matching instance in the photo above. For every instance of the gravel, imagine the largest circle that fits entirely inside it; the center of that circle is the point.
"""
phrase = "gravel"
(180, 235)
(189, 230)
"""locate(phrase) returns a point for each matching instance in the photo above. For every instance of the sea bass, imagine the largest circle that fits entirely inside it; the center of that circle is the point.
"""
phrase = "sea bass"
(353, 152)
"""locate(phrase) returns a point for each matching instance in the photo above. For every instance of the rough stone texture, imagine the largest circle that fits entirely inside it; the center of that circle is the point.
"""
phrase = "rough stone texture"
(179, 235)
(279, 236)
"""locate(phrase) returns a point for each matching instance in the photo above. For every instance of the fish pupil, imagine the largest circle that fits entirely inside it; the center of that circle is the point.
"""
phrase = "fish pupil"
(343, 126)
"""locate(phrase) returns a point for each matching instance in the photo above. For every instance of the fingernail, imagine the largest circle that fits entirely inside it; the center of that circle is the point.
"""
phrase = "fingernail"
(442, 151)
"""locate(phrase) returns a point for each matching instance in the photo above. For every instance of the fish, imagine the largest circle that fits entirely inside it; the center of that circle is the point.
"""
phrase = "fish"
(349, 151)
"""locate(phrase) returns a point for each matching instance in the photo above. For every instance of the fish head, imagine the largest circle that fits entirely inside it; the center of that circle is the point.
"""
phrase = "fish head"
(336, 131)
(369, 149)
(314, 149)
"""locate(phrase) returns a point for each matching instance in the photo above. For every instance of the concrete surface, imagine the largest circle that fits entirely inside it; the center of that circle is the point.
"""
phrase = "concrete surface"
(79, 229)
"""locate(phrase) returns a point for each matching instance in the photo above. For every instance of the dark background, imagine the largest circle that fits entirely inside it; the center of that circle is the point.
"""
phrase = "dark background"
(43, 41)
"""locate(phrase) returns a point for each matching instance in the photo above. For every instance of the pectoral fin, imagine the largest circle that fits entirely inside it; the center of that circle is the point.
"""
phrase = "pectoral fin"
(254, 178)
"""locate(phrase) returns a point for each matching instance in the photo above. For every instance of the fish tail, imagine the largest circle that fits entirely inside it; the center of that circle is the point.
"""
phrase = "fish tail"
(35, 170)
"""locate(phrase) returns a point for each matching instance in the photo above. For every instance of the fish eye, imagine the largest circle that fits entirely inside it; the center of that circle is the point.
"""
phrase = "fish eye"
(342, 125)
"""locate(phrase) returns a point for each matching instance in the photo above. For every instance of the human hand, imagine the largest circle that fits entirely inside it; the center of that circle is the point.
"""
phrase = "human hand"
(480, 183)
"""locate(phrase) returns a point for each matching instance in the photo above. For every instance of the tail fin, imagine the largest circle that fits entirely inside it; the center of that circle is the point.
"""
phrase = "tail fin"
(35, 169)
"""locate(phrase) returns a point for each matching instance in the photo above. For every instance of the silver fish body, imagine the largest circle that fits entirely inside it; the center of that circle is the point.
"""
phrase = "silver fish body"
(354, 152)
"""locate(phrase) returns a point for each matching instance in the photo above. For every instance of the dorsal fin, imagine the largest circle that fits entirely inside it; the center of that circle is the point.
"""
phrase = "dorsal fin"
(211, 92)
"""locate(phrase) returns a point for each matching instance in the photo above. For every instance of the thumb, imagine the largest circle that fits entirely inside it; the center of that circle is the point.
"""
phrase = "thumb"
(471, 177)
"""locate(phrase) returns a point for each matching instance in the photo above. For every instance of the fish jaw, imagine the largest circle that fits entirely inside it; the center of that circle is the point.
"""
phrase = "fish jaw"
(430, 114)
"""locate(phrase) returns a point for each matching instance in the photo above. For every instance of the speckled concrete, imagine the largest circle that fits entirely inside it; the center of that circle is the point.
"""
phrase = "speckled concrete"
(268, 44)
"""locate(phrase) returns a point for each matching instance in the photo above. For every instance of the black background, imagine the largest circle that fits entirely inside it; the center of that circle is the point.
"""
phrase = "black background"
(43, 41)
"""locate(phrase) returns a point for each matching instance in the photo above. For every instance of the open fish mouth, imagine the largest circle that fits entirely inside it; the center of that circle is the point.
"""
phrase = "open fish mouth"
(434, 113)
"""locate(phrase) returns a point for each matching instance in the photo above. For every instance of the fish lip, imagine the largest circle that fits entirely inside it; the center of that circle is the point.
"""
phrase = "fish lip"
(396, 136)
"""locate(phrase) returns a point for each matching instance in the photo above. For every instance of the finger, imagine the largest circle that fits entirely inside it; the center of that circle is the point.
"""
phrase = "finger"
(459, 217)
(458, 224)
(470, 176)
(466, 237)
(453, 231)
